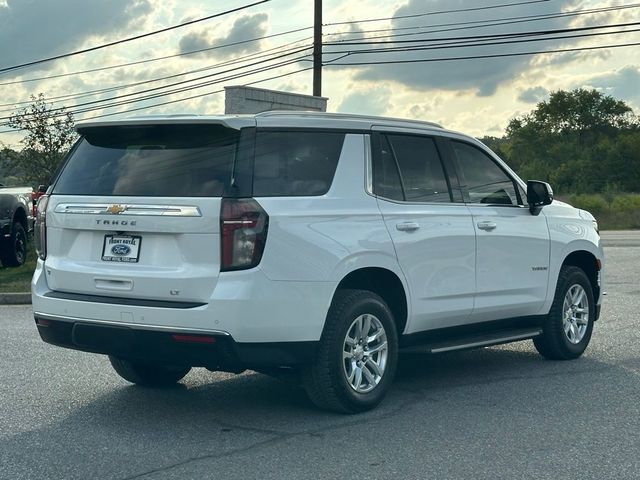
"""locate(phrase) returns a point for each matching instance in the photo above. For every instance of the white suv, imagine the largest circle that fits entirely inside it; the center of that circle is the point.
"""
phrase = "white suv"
(318, 244)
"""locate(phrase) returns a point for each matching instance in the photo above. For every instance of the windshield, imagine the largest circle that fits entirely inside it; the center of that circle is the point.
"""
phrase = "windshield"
(151, 160)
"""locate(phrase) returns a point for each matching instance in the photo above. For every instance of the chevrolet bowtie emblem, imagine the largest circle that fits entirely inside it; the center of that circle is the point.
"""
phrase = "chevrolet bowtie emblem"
(115, 209)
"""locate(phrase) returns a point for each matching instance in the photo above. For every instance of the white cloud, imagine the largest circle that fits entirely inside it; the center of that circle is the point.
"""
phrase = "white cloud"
(244, 28)
(533, 94)
(481, 76)
(621, 84)
(369, 101)
(34, 30)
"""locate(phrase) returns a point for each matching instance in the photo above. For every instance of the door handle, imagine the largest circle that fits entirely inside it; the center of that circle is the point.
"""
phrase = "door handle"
(487, 225)
(407, 226)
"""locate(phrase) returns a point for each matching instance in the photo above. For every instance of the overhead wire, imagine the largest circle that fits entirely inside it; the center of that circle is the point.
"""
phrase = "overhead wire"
(245, 58)
(155, 59)
(84, 94)
(117, 87)
(490, 36)
(64, 110)
(444, 46)
(371, 41)
(475, 57)
(475, 24)
(176, 100)
(438, 12)
(128, 39)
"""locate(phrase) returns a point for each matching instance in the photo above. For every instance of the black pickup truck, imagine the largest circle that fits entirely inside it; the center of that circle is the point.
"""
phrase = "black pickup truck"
(16, 222)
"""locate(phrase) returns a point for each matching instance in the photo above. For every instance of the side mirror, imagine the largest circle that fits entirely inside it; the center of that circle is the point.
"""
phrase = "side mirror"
(539, 194)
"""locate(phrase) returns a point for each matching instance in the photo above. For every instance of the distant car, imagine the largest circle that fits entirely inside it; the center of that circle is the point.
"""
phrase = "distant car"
(16, 222)
(317, 245)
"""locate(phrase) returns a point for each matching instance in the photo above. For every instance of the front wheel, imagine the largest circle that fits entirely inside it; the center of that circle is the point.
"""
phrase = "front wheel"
(357, 355)
(148, 374)
(568, 327)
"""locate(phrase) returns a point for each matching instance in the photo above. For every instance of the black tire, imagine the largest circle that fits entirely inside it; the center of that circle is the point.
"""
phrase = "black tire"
(554, 343)
(146, 373)
(326, 379)
(13, 250)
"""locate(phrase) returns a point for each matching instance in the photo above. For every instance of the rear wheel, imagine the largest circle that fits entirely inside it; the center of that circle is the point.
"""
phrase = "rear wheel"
(148, 374)
(13, 250)
(357, 355)
(568, 327)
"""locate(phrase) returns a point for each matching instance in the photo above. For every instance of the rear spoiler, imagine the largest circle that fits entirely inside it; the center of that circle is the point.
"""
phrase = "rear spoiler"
(235, 122)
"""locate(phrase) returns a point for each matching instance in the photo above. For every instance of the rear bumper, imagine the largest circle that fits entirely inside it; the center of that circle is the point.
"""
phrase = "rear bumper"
(245, 304)
(213, 350)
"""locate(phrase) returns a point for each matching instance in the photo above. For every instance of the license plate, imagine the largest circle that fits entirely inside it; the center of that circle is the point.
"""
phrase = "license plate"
(121, 248)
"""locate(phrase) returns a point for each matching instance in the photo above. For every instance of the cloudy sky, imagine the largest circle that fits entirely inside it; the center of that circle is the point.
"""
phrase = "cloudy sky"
(475, 95)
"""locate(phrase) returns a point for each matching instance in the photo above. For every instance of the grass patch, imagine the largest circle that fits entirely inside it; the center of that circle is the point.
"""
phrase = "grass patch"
(18, 279)
(612, 211)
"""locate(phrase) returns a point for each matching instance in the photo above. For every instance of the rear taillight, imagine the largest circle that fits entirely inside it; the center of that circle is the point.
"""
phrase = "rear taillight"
(243, 233)
(40, 227)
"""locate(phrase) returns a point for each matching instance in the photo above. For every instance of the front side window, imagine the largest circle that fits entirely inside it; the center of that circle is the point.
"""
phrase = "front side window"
(295, 163)
(408, 167)
(485, 181)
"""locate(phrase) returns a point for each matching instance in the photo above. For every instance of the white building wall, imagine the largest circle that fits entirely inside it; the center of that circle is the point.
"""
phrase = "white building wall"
(240, 99)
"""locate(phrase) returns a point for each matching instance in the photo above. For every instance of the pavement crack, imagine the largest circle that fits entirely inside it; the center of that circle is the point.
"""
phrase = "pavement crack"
(212, 456)
(281, 437)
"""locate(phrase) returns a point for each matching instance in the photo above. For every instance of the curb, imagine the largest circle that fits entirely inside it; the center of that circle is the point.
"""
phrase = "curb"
(15, 298)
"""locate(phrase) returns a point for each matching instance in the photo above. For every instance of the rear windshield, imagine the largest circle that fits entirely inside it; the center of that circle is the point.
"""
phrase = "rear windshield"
(152, 160)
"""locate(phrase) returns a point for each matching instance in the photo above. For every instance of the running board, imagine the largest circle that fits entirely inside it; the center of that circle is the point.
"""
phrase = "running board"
(476, 341)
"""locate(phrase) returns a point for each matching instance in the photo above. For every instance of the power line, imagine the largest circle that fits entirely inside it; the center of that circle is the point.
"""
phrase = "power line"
(490, 36)
(74, 96)
(63, 111)
(438, 12)
(189, 88)
(173, 101)
(194, 96)
(478, 23)
(129, 39)
(476, 57)
(165, 57)
(174, 91)
(261, 55)
(464, 44)
(192, 52)
(447, 42)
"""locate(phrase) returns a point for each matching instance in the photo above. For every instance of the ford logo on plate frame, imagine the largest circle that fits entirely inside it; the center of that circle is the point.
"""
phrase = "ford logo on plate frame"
(121, 250)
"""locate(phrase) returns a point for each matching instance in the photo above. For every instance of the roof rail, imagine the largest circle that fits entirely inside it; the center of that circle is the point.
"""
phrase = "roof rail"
(344, 116)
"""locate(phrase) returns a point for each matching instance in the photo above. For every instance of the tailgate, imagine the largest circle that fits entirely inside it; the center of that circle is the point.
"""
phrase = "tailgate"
(160, 249)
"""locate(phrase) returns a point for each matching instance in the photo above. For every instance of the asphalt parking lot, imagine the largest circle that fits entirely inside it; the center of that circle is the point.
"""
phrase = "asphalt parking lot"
(500, 412)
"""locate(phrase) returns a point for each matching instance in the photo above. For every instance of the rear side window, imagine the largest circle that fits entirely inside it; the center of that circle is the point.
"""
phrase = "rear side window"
(151, 160)
(295, 163)
(409, 168)
(385, 172)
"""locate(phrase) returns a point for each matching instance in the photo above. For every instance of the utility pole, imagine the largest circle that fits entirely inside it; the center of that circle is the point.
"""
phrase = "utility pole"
(317, 49)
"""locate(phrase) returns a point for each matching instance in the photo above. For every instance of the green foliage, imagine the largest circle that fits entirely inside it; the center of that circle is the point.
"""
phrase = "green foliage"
(49, 135)
(620, 211)
(580, 141)
(18, 279)
(585, 111)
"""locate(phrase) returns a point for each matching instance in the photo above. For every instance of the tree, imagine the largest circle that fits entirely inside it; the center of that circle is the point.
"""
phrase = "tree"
(581, 141)
(49, 136)
(8, 174)
(577, 111)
